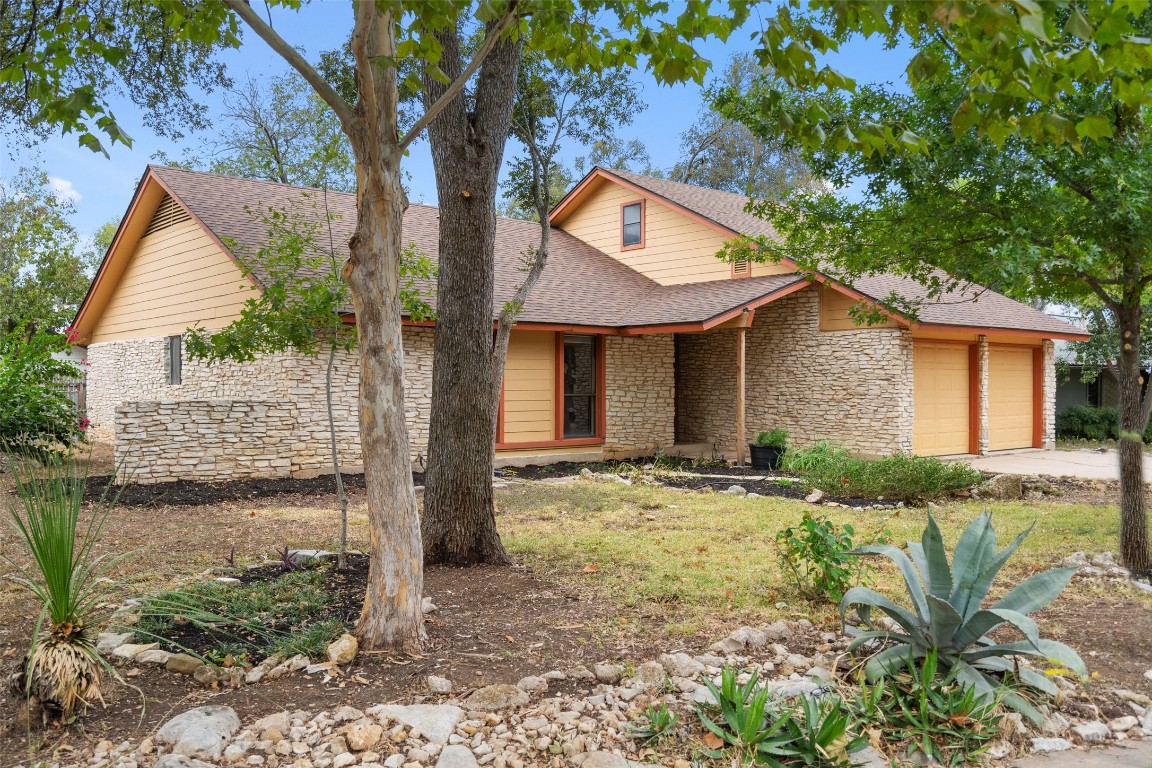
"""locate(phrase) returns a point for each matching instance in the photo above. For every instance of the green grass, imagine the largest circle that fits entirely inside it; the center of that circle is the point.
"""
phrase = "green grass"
(694, 562)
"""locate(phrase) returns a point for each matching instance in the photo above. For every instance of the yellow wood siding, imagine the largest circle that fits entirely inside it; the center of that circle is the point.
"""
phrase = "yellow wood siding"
(940, 390)
(178, 277)
(1010, 393)
(677, 248)
(530, 387)
(834, 316)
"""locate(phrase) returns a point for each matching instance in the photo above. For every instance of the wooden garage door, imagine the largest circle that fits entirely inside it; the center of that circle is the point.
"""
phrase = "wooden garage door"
(1010, 406)
(941, 392)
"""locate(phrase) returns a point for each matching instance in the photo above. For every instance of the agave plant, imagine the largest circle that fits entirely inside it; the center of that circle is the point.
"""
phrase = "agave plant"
(948, 618)
(62, 671)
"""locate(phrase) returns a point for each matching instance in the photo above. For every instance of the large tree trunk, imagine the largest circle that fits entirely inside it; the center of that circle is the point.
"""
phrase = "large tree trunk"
(1134, 552)
(467, 151)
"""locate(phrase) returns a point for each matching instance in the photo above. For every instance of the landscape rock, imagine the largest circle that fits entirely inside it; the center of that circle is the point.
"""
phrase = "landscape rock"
(1005, 487)
(681, 665)
(1055, 724)
(491, 698)
(1122, 724)
(1047, 744)
(182, 663)
(427, 606)
(1075, 560)
(436, 721)
(106, 642)
(343, 649)
(603, 760)
(815, 497)
(202, 732)
(441, 686)
(157, 657)
(1092, 733)
(735, 490)
(363, 734)
(181, 761)
(129, 651)
(649, 675)
(1104, 560)
(869, 758)
(456, 756)
(608, 673)
(741, 639)
(532, 684)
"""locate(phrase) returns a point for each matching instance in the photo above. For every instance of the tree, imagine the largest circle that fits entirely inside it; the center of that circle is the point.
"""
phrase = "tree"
(618, 154)
(43, 274)
(387, 37)
(301, 305)
(36, 417)
(541, 104)
(1099, 353)
(277, 130)
(1020, 160)
(722, 153)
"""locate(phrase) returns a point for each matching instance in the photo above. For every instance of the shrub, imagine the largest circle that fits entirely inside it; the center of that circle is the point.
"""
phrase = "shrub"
(776, 438)
(948, 621)
(36, 417)
(62, 670)
(1086, 422)
(817, 557)
(835, 470)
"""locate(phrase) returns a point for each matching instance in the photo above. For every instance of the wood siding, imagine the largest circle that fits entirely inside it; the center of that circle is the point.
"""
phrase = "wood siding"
(177, 277)
(677, 248)
(530, 387)
(834, 307)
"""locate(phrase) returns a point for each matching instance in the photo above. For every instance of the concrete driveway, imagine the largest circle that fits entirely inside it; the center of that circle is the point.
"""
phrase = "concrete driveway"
(1079, 463)
(1130, 755)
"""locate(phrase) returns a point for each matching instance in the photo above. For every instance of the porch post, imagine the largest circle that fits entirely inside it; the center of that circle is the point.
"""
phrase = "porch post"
(740, 441)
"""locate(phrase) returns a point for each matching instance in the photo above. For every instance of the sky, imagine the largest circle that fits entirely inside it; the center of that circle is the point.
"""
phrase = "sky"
(101, 188)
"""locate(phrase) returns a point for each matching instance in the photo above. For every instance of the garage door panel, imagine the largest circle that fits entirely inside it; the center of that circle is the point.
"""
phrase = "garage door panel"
(1010, 398)
(941, 389)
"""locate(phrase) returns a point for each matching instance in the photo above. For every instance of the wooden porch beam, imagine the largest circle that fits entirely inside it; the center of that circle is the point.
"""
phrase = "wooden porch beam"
(741, 330)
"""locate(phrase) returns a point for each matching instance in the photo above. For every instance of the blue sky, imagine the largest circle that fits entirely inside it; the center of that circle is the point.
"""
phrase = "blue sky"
(102, 188)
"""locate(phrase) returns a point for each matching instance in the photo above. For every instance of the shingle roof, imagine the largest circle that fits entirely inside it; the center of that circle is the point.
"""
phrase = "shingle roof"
(580, 286)
(972, 306)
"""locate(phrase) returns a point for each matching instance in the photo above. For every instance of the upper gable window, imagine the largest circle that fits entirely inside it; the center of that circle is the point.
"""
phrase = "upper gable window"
(632, 225)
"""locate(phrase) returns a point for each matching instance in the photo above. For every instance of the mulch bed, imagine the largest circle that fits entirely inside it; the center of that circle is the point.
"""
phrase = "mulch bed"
(194, 493)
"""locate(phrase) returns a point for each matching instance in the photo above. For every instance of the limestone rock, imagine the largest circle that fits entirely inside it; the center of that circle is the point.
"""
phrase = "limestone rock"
(649, 675)
(1091, 733)
(495, 697)
(815, 497)
(608, 673)
(363, 734)
(436, 721)
(439, 685)
(532, 684)
(343, 649)
(456, 756)
(1005, 487)
(156, 657)
(1050, 745)
(199, 733)
(106, 642)
(183, 664)
(735, 490)
(180, 761)
(1122, 724)
(129, 651)
(427, 606)
(603, 760)
(681, 665)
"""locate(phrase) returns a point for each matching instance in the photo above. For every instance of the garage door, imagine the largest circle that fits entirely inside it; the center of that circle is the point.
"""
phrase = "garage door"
(940, 393)
(1010, 405)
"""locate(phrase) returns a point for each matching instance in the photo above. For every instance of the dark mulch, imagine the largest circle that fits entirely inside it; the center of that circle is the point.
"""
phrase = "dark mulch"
(193, 493)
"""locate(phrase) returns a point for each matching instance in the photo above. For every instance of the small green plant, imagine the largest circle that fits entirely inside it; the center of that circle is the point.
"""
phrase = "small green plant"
(941, 718)
(37, 419)
(835, 470)
(813, 734)
(657, 725)
(801, 461)
(817, 557)
(948, 619)
(785, 482)
(775, 438)
(62, 670)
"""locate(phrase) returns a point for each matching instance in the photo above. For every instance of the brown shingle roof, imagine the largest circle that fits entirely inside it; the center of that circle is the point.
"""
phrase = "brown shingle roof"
(973, 306)
(580, 286)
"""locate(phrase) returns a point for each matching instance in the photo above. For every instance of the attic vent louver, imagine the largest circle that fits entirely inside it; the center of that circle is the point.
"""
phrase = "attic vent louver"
(741, 268)
(167, 214)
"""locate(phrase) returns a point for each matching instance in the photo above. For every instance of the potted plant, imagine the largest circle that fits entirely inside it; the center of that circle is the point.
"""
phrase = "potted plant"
(767, 449)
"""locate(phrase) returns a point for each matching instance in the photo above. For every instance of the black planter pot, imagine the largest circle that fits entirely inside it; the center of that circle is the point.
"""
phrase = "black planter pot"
(765, 456)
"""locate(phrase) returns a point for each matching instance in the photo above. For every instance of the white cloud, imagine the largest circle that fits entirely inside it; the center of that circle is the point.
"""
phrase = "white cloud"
(64, 189)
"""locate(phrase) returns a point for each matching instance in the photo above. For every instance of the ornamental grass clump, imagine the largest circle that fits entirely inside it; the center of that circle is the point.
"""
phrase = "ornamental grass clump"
(61, 673)
(947, 617)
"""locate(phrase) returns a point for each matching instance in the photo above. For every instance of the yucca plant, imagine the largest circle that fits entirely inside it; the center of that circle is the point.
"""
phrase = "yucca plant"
(947, 616)
(62, 670)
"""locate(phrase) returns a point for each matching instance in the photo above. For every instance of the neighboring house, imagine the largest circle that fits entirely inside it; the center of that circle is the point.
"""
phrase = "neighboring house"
(1071, 389)
(636, 339)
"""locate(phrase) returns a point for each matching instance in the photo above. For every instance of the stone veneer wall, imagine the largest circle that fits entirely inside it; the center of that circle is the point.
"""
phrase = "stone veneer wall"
(641, 394)
(852, 387)
(135, 371)
(1048, 433)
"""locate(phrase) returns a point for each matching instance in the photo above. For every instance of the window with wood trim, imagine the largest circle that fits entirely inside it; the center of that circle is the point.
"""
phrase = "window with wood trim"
(580, 378)
(741, 267)
(175, 360)
(632, 225)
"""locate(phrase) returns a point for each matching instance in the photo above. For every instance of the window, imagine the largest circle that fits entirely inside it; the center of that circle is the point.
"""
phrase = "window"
(580, 386)
(175, 358)
(632, 225)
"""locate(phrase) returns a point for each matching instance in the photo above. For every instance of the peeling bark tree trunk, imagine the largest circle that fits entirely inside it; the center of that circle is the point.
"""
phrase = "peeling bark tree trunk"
(467, 150)
(1134, 551)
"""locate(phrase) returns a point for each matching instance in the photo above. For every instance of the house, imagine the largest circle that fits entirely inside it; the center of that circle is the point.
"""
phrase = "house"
(636, 339)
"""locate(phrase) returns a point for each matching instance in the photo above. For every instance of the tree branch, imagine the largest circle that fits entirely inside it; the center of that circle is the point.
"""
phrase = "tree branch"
(458, 84)
(293, 57)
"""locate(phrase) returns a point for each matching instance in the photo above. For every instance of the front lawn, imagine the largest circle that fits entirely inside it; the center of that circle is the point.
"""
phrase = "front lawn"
(694, 563)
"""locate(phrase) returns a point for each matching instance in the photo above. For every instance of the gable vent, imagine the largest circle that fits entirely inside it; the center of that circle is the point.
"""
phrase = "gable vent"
(167, 214)
(741, 268)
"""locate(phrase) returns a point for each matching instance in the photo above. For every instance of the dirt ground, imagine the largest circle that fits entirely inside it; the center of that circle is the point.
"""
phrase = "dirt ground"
(493, 624)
